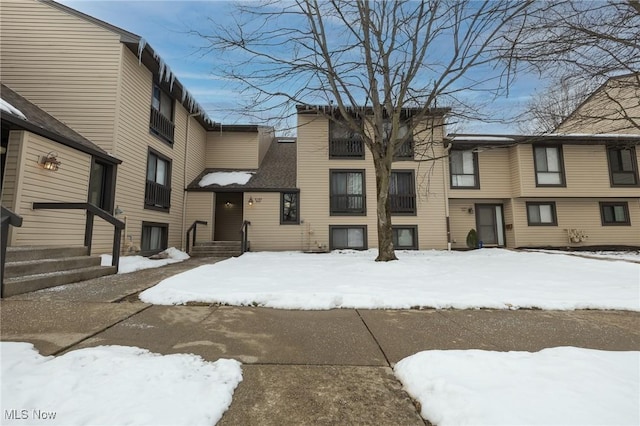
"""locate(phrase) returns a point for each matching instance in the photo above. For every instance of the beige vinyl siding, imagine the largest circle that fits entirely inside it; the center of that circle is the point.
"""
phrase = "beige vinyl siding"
(265, 137)
(133, 143)
(582, 214)
(68, 184)
(510, 231)
(200, 207)
(606, 110)
(586, 173)
(195, 163)
(314, 168)
(515, 170)
(265, 231)
(494, 171)
(232, 150)
(62, 63)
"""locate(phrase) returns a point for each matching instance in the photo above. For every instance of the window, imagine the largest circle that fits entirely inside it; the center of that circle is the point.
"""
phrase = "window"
(289, 208)
(405, 237)
(622, 166)
(154, 237)
(161, 119)
(464, 169)
(549, 165)
(348, 237)
(402, 193)
(405, 150)
(347, 192)
(101, 185)
(344, 142)
(158, 188)
(614, 214)
(542, 214)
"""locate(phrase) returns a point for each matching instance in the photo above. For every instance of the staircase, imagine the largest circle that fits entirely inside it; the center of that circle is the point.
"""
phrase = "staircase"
(34, 268)
(217, 249)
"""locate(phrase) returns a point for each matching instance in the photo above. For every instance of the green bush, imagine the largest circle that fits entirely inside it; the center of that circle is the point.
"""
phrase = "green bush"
(472, 239)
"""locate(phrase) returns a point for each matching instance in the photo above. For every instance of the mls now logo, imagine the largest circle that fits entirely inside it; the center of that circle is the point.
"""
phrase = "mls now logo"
(29, 414)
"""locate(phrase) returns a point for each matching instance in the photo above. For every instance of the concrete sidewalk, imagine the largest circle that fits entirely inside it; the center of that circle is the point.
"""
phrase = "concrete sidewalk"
(299, 367)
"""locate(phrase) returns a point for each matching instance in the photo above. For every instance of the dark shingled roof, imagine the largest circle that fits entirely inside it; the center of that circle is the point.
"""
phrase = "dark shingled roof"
(277, 172)
(43, 124)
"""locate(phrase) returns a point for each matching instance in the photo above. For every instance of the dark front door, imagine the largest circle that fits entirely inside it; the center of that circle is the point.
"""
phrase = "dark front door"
(229, 216)
(490, 224)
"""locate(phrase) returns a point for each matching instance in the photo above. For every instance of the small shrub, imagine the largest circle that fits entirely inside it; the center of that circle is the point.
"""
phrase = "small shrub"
(472, 239)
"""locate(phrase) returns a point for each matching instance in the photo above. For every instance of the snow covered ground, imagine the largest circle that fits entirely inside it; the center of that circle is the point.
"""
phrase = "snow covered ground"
(604, 254)
(487, 278)
(136, 263)
(113, 385)
(557, 386)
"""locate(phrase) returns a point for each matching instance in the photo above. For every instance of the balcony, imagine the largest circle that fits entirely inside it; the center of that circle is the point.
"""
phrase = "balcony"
(404, 151)
(157, 196)
(403, 203)
(346, 148)
(348, 204)
(161, 125)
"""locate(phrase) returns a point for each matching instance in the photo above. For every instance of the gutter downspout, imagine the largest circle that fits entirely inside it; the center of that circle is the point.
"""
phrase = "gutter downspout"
(184, 184)
(445, 173)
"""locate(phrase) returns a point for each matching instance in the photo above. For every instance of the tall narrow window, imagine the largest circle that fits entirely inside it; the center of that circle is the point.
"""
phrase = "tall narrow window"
(344, 142)
(549, 165)
(623, 168)
(289, 203)
(161, 119)
(464, 169)
(158, 187)
(101, 185)
(347, 192)
(402, 193)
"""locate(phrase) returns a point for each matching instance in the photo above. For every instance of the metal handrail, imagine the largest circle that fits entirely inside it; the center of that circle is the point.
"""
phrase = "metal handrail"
(193, 227)
(88, 230)
(9, 218)
(244, 232)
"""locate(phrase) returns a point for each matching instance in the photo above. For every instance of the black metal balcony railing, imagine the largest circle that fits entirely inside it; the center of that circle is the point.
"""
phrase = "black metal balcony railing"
(157, 195)
(348, 204)
(161, 125)
(402, 203)
(346, 148)
(404, 151)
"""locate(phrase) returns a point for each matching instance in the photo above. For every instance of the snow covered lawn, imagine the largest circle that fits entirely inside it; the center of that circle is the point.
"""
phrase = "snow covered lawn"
(487, 278)
(604, 254)
(111, 385)
(129, 264)
(557, 386)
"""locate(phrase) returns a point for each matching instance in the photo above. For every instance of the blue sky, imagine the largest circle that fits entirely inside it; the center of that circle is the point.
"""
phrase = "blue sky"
(165, 26)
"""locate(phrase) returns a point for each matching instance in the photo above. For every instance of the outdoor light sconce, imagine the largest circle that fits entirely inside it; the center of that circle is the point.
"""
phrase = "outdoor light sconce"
(250, 202)
(470, 210)
(227, 204)
(50, 162)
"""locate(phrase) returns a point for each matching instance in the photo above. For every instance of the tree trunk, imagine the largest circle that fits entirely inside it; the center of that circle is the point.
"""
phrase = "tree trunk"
(385, 232)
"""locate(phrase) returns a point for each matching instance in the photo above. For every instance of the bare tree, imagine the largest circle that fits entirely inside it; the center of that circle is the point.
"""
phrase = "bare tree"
(548, 108)
(389, 64)
(587, 41)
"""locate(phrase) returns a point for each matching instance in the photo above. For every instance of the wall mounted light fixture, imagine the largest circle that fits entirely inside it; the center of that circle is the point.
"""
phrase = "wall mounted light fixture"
(227, 204)
(470, 210)
(50, 161)
(250, 202)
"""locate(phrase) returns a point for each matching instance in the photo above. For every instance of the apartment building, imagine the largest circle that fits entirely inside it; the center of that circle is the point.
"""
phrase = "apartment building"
(146, 153)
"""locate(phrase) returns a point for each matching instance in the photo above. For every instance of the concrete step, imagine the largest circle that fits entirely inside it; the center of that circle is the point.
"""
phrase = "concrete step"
(29, 283)
(25, 253)
(231, 244)
(41, 266)
(214, 252)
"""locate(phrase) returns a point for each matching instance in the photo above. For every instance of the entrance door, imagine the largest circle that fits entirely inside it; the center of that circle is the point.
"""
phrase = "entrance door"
(490, 224)
(229, 216)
